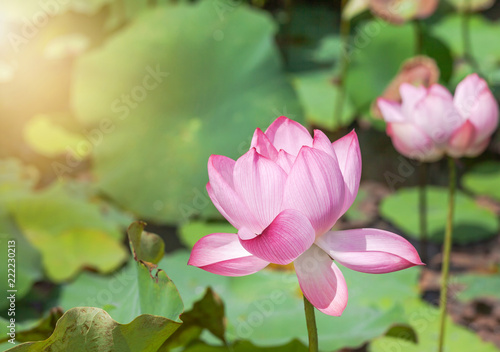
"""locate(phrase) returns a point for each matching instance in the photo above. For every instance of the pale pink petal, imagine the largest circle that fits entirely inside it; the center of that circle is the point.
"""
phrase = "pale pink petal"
(436, 115)
(410, 96)
(412, 142)
(226, 200)
(223, 167)
(349, 158)
(477, 148)
(216, 203)
(369, 250)
(426, 8)
(474, 100)
(391, 110)
(440, 91)
(321, 281)
(288, 236)
(315, 187)
(263, 145)
(461, 140)
(285, 160)
(260, 183)
(222, 254)
(323, 143)
(246, 234)
(288, 135)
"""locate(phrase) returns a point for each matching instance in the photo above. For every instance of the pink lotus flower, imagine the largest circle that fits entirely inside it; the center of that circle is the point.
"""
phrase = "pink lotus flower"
(284, 195)
(430, 122)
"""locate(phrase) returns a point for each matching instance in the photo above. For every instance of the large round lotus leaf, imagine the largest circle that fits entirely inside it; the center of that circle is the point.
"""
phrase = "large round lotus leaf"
(472, 223)
(180, 83)
(484, 179)
(478, 286)
(85, 329)
(69, 230)
(192, 231)
(149, 289)
(425, 320)
(267, 309)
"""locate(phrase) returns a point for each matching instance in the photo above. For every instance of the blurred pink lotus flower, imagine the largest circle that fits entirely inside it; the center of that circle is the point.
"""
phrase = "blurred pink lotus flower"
(400, 11)
(393, 11)
(283, 196)
(430, 122)
(418, 70)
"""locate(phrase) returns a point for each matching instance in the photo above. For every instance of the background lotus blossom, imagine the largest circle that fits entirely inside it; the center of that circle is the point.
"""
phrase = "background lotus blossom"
(393, 11)
(418, 70)
(430, 122)
(284, 195)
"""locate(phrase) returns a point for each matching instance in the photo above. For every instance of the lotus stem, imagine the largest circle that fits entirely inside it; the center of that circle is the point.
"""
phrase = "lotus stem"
(312, 331)
(422, 207)
(446, 253)
(345, 28)
(419, 37)
(466, 41)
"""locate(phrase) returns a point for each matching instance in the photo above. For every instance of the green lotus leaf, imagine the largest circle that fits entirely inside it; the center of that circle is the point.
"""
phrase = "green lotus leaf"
(87, 328)
(425, 319)
(471, 222)
(166, 108)
(267, 309)
(318, 94)
(483, 179)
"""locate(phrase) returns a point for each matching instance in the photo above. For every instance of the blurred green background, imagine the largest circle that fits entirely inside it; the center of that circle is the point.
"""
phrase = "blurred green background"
(109, 110)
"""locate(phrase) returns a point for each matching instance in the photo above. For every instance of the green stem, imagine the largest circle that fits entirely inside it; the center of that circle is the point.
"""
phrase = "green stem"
(422, 207)
(466, 41)
(446, 253)
(312, 331)
(345, 27)
(419, 42)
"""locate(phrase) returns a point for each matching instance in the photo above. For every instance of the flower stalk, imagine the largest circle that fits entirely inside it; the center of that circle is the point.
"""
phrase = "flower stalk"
(419, 37)
(345, 27)
(446, 253)
(422, 209)
(312, 331)
(466, 40)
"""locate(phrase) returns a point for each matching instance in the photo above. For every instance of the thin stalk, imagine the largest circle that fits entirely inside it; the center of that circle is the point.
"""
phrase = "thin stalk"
(312, 331)
(446, 253)
(345, 28)
(422, 207)
(466, 41)
(419, 37)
